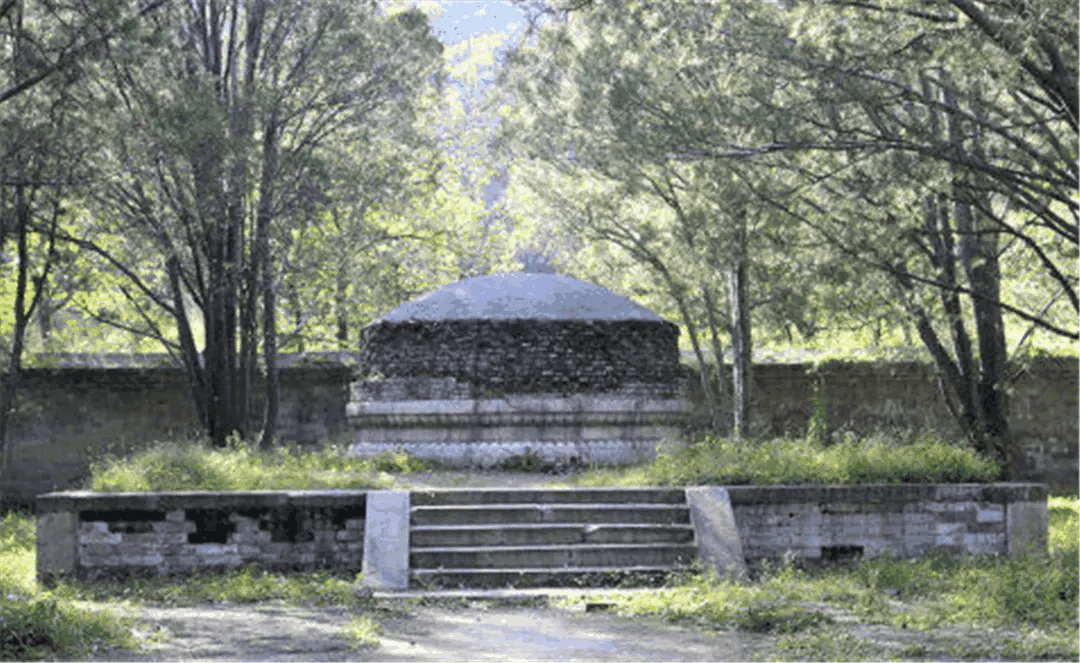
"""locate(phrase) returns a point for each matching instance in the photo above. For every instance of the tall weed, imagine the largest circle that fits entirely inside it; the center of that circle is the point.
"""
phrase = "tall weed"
(710, 460)
(36, 624)
(170, 466)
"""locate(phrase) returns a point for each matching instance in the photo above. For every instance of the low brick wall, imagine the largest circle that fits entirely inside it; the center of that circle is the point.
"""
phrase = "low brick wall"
(119, 534)
(833, 523)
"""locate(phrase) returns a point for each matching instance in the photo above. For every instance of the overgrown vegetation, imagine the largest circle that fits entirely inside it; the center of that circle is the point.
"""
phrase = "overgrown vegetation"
(362, 632)
(979, 606)
(247, 585)
(201, 466)
(878, 459)
(37, 624)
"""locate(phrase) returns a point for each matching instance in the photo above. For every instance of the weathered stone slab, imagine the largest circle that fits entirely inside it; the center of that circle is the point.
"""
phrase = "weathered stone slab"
(386, 540)
(1026, 528)
(718, 541)
(57, 539)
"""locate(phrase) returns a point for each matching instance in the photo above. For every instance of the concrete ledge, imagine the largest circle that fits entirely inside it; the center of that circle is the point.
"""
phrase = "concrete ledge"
(490, 454)
(718, 541)
(386, 540)
(168, 501)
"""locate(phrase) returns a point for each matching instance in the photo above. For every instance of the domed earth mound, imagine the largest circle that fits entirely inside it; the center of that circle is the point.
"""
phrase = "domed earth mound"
(526, 333)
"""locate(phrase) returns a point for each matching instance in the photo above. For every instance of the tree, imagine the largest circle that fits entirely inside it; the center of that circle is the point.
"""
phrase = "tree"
(925, 140)
(46, 52)
(586, 86)
(227, 112)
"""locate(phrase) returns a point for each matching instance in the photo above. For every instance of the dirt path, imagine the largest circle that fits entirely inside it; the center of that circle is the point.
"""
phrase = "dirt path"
(475, 632)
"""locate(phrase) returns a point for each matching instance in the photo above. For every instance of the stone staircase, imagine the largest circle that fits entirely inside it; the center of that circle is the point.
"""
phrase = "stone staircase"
(471, 538)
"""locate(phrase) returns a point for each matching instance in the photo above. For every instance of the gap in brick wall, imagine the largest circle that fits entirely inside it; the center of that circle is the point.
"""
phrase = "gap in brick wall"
(841, 553)
(211, 525)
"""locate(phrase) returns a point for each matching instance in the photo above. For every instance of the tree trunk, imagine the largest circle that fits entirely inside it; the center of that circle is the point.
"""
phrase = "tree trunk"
(721, 426)
(741, 345)
(267, 279)
(978, 254)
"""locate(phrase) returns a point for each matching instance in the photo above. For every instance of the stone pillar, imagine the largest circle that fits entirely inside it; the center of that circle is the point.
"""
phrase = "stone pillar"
(1027, 525)
(718, 543)
(386, 540)
(57, 540)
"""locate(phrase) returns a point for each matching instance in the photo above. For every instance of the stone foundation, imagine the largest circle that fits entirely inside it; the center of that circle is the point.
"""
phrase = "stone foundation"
(137, 534)
(488, 432)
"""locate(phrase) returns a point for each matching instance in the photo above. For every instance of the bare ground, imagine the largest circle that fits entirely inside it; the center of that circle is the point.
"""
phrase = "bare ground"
(477, 632)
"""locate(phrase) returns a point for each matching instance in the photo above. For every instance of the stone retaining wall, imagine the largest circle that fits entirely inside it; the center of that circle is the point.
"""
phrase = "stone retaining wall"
(119, 534)
(835, 523)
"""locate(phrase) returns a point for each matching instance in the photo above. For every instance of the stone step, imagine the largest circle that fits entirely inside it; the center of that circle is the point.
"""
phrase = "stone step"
(615, 555)
(467, 496)
(653, 576)
(493, 514)
(524, 534)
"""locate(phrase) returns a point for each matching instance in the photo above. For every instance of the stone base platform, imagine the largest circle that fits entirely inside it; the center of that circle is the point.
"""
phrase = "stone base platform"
(488, 432)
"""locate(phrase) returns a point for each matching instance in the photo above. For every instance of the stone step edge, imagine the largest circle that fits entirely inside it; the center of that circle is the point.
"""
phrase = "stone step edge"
(484, 527)
(529, 494)
(550, 547)
(549, 506)
(560, 570)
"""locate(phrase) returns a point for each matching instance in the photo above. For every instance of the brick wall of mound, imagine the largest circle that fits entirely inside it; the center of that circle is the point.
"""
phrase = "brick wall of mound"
(529, 356)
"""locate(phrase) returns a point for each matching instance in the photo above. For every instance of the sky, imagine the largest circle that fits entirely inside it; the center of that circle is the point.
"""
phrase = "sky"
(462, 19)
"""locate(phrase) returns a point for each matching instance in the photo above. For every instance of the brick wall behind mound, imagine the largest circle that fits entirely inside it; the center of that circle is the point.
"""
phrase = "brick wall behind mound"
(528, 356)
(68, 417)
(869, 397)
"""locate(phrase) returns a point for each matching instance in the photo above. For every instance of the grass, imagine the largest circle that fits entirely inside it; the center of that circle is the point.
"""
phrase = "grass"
(943, 606)
(37, 624)
(247, 585)
(709, 460)
(168, 466)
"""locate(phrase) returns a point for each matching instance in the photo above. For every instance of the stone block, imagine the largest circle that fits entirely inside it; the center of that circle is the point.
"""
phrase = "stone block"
(98, 532)
(386, 540)
(176, 516)
(984, 544)
(140, 560)
(718, 540)
(98, 550)
(57, 544)
(990, 513)
(1027, 525)
(215, 549)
